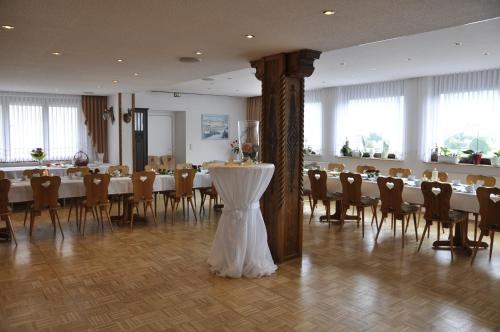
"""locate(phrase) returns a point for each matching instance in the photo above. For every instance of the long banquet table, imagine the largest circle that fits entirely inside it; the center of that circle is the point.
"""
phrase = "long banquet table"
(20, 191)
(16, 172)
(460, 200)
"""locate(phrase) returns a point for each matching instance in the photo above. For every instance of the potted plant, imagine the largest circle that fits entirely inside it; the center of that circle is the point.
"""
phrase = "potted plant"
(474, 156)
(495, 161)
(235, 148)
(446, 156)
(346, 150)
(385, 150)
(308, 150)
(39, 155)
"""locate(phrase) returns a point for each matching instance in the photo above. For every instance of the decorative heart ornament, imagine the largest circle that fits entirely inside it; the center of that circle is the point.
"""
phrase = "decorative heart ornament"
(317, 176)
(143, 178)
(436, 191)
(390, 185)
(184, 175)
(97, 181)
(350, 180)
(495, 198)
(46, 184)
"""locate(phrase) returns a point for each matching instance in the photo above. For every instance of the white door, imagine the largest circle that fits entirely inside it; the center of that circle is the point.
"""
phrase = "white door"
(160, 133)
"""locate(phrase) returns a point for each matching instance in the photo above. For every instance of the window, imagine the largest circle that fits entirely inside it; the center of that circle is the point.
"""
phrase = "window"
(312, 127)
(371, 117)
(53, 123)
(461, 112)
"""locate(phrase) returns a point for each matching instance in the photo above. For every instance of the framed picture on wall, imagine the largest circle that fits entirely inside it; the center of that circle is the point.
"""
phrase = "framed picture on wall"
(214, 126)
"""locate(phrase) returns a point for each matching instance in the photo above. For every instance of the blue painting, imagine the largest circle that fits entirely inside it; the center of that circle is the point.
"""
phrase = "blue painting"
(214, 126)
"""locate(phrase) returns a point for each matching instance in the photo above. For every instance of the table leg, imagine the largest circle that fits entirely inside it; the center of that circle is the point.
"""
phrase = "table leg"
(460, 240)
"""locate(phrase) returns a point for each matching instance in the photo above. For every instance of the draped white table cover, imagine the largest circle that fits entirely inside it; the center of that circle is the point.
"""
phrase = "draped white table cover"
(459, 200)
(16, 172)
(20, 191)
(240, 246)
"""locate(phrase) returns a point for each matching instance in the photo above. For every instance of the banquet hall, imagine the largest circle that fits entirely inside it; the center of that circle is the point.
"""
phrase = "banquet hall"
(249, 165)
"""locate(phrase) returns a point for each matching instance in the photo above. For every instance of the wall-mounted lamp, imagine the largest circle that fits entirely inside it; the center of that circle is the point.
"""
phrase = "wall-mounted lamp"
(108, 114)
(127, 117)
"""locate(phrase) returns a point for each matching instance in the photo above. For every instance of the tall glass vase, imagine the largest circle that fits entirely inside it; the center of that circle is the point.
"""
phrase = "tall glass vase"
(248, 138)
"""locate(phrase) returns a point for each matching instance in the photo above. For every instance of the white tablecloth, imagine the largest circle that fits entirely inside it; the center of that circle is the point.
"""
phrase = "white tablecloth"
(20, 191)
(240, 246)
(411, 194)
(16, 172)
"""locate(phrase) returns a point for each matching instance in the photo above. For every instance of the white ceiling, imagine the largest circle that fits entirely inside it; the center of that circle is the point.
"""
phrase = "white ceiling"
(150, 35)
(425, 54)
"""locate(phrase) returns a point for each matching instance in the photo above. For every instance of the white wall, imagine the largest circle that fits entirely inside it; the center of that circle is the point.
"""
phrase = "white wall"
(196, 150)
(413, 137)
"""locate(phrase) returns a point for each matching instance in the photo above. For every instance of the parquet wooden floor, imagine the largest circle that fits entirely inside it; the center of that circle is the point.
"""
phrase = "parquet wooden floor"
(157, 279)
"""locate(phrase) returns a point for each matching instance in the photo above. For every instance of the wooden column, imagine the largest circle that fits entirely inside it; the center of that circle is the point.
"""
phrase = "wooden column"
(120, 143)
(282, 141)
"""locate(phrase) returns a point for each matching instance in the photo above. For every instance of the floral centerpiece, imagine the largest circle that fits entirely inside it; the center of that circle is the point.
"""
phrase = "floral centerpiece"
(250, 150)
(38, 154)
(248, 139)
(235, 147)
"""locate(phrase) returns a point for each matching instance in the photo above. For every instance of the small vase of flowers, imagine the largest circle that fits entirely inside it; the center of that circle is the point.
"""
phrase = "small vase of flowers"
(39, 155)
(248, 139)
(235, 148)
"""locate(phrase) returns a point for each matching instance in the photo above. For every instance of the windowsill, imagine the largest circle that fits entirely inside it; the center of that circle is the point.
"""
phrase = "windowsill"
(312, 155)
(368, 158)
(459, 164)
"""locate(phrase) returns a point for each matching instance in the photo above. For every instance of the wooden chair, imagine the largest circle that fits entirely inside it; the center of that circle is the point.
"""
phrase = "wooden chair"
(211, 192)
(351, 196)
(142, 183)
(336, 167)
(96, 191)
(489, 209)
(442, 176)
(123, 171)
(45, 195)
(437, 197)
(2, 175)
(184, 166)
(154, 161)
(391, 196)
(363, 168)
(5, 212)
(319, 192)
(167, 161)
(184, 179)
(481, 181)
(29, 173)
(78, 171)
(399, 172)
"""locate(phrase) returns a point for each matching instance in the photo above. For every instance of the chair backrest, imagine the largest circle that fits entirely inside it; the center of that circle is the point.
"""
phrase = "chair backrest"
(142, 183)
(437, 197)
(96, 188)
(151, 167)
(36, 172)
(2, 175)
(363, 168)
(481, 180)
(4, 195)
(336, 167)
(167, 161)
(489, 207)
(75, 170)
(184, 166)
(351, 188)
(45, 191)
(184, 179)
(399, 172)
(123, 169)
(391, 194)
(442, 176)
(317, 179)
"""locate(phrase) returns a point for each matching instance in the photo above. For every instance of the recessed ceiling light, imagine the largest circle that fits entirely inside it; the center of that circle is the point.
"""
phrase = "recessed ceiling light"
(119, 60)
(249, 36)
(458, 43)
(372, 69)
(189, 59)
(98, 86)
(323, 82)
(198, 53)
(486, 53)
(229, 78)
(56, 53)
(115, 81)
(342, 63)
(328, 12)
(8, 27)
(409, 59)
(208, 79)
(136, 74)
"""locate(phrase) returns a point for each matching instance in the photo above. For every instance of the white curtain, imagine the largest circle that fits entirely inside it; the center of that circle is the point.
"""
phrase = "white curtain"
(313, 120)
(460, 112)
(52, 122)
(369, 115)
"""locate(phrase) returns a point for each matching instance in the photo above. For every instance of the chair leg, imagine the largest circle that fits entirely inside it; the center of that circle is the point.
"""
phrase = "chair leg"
(363, 222)
(99, 210)
(439, 231)
(70, 209)
(416, 227)
(132, 218)
(451, 242)
(476, 247)
(109, 219)
(394, 223)
(426, 228)
(476, 217)
(53, 220)
(309, 197)
(403, 228)
(26, 214)
(327, 206)
(209, 209)
(152, 212)
(32, 222)
(84, 220)
(190, 201)
(8, 221)
(312, 210)
(492, 238)
(59, 223)
(379, 228)
(374, 208)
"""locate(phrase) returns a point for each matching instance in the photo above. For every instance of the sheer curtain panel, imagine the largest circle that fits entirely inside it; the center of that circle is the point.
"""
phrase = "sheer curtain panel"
(97, 128)
(51, 122)
(254, 108)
